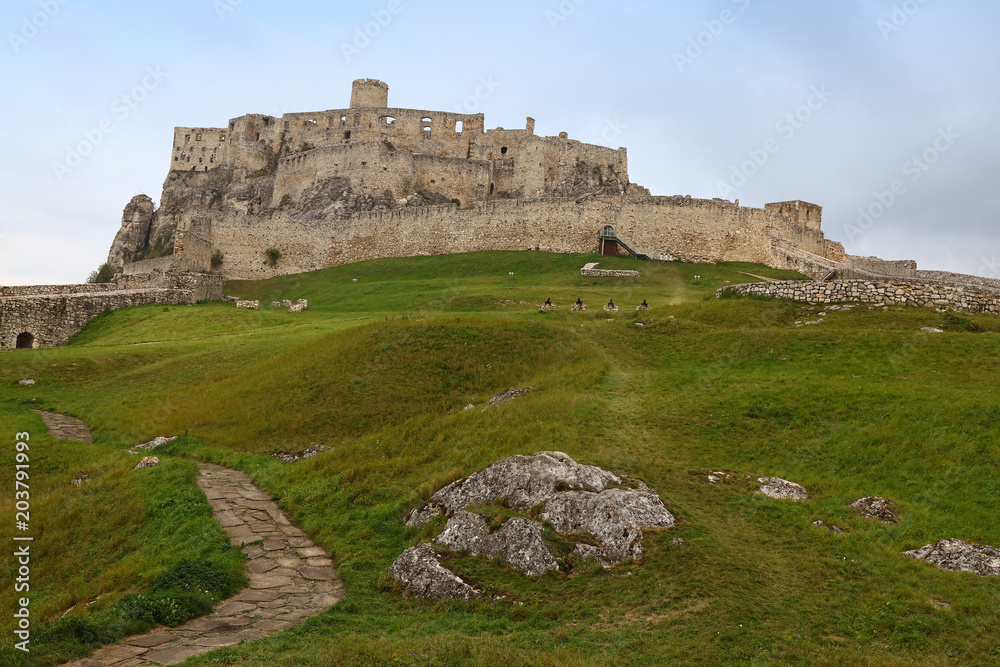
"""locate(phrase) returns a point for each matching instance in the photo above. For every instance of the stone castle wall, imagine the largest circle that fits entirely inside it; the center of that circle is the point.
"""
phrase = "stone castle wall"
(689, 229)
(874, 292)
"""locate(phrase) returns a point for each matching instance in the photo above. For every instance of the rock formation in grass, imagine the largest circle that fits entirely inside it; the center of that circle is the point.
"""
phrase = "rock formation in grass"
(781, 489)
(959, 556)
(874, 507)
(590, 520)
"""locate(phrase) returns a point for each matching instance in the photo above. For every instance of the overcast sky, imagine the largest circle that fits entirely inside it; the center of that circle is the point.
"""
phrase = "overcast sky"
(882, 111)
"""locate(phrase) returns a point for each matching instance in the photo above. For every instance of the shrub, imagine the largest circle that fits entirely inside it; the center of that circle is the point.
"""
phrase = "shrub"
(104, 273)
(273, 255)
(217, 258)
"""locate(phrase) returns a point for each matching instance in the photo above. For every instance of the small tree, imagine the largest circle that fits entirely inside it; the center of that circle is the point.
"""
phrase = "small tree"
(104, 273)
(273, 255)
(217, 259)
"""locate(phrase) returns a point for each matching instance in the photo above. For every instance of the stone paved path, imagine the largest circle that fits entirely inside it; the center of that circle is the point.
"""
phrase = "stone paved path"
(291, 579)
(64, 427)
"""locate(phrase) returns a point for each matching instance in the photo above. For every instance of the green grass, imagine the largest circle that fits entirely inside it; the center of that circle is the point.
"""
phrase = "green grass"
(864, 403)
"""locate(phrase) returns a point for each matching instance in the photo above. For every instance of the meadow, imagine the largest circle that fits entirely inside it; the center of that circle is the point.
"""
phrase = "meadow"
(864, 403)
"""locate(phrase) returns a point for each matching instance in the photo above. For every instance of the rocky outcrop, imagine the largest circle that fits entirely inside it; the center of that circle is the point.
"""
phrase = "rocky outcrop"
(418, 570)
(518, 542)
(524, 481)
(134, 232)
(781, 489)
(958, 556)
(874, 507)
(615, 517)
(605, 523)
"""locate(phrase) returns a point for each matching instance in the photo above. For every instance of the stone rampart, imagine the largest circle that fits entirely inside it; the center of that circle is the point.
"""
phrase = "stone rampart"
(48, 320)
(866, 291)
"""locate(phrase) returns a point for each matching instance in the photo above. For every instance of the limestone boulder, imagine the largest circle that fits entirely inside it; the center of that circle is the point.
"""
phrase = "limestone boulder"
(518, 542)
(524, 481)
(875, 507)
(419, 571)
(615, 517)
(958, 556)
(134, 231)
(781, 489)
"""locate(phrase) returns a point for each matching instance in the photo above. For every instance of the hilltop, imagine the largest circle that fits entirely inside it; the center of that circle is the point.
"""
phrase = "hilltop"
(862, 402)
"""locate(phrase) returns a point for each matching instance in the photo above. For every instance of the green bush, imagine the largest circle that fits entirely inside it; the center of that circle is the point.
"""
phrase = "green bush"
(217, 259)
(104, 273)
(273, 255)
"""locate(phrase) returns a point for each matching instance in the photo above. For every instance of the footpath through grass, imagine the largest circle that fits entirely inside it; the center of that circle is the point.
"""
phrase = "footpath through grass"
(864, 403)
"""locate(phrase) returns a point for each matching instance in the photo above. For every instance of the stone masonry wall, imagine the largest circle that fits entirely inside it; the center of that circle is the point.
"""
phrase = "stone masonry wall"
(864, 291)
(689, 229)
(53, 319)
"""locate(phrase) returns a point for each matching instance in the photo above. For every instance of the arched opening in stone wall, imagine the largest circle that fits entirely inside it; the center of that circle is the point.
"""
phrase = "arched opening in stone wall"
(25, 340)
(503, 151)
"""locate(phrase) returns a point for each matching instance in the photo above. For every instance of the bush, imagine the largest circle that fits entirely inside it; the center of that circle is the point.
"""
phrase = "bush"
(217, 258)
(273, 255)
(104, 273)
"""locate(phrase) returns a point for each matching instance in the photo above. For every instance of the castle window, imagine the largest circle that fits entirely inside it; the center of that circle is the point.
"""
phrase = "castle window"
(232, 124)
(176, 159)
(459, 126)
(347, 135)
(288, 124)
(343, 121)
(197, 137)
(387, 120)
(258, 136)
(491, 188)
(222, 138)
(206, 168)
(503, 151)
(425, 124)
(385, 136)
(357, 120)
(187, 138)
(200, 160)
(308, 123)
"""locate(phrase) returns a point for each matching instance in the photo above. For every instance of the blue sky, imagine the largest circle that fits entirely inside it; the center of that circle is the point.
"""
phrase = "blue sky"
(881, 111)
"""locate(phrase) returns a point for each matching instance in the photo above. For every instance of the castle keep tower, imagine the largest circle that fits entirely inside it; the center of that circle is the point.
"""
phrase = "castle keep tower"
(369, 94)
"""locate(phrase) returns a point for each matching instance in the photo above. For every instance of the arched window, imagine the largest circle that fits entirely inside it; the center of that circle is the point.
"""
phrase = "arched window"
(503, 151)
(25, 340)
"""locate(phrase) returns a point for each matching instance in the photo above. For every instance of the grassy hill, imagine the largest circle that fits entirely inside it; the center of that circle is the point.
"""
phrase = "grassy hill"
(863, 403)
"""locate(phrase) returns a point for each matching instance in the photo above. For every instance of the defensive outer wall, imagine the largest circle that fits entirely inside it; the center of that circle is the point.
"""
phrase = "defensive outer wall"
(48, 315)
(876, 292)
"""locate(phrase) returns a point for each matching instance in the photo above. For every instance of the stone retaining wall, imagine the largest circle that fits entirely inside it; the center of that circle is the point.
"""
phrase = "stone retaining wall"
(53, 319)
(866, 291)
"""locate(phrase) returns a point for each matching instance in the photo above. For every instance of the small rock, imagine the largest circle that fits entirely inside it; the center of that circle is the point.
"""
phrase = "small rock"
(147, 462)
(292, 457)
(506, 396)
(420, 573)
(680, 541)
(231, 299)
(304, 303)
(874, 507)
(154, 443)
(297, 308)
(287, 303)
(781, 489)
(80, 478)
(931, 330)
(833, 529)
(248, 305)
(958, 556)
(275, 304)
(470, 406)
(28, 382)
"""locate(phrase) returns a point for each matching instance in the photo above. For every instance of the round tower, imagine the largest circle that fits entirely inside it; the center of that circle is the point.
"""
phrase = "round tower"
(369, 93)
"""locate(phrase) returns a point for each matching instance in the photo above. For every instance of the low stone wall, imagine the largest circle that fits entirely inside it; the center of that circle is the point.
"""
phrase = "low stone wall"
(867, 291)
(53, 319)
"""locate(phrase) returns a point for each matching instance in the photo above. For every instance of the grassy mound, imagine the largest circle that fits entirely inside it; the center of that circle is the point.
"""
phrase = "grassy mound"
(862, 403)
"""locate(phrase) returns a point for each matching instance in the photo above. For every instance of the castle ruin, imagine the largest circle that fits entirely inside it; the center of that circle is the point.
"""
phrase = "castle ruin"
(266, 196)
